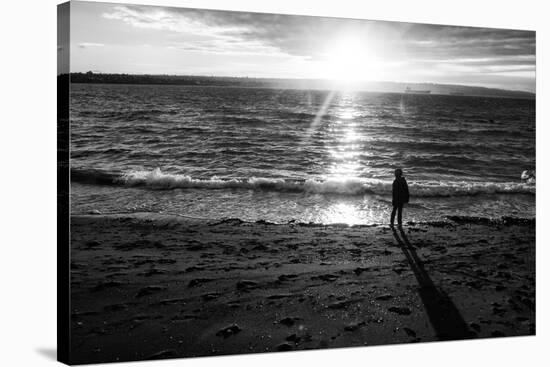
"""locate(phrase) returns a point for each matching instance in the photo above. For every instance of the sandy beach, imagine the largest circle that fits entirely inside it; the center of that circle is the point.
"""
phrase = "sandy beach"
(146, 287)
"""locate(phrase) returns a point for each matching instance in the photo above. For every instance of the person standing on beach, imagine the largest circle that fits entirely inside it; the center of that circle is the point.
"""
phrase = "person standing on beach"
(400, 196)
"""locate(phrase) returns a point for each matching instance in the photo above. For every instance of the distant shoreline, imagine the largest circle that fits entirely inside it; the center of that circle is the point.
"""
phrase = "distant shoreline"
(296, 84)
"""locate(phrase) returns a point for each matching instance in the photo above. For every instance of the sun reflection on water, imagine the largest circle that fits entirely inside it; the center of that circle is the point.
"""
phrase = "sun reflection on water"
(346, 114)
(345, 151)
(344, 213)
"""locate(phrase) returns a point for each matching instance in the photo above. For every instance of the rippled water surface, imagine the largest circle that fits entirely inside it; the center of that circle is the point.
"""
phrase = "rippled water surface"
(278, 155)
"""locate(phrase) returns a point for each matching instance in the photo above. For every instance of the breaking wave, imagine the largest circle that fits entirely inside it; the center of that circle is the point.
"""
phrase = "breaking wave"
(158, 180)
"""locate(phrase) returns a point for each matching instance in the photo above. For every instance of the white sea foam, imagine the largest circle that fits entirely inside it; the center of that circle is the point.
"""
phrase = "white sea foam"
(158, 180)
(529, 176)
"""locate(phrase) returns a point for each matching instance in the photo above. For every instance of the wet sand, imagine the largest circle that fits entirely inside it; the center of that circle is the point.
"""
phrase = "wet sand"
(146, 287)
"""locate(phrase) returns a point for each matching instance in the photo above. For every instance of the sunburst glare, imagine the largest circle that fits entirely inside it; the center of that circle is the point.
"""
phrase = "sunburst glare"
(349, 59)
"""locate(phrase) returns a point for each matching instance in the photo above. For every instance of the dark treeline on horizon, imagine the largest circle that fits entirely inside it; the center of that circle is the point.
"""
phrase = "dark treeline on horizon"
(101, 78)
(314, 84)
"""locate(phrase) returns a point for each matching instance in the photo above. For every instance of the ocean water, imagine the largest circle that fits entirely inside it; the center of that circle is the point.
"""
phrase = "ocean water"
(310, 156)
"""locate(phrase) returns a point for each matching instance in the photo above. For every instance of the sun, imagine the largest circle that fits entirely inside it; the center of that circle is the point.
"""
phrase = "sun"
(349, 59)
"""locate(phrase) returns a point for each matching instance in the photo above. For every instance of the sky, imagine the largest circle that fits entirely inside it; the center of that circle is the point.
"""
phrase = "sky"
(115, 38)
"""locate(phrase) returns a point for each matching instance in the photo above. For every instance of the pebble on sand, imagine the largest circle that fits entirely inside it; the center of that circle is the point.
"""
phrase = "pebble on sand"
(227, 331)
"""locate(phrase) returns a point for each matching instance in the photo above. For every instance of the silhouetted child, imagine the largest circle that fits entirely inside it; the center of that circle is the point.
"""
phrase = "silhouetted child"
(400, 196)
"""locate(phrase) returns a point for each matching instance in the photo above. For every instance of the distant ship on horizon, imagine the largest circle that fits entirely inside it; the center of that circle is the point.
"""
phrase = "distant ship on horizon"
(416, 91)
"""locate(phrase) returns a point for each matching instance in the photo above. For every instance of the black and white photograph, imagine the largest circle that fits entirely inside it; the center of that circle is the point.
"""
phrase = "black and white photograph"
(244, 182)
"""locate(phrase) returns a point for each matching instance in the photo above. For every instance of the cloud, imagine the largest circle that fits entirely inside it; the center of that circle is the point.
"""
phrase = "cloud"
(90, 44)
(308, 36)
(166, 19)
(217, 46)
(291, 35)
(406, 48)
(468, 42)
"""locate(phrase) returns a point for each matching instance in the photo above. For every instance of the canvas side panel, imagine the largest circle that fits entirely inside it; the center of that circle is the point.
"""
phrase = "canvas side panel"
(63, 177)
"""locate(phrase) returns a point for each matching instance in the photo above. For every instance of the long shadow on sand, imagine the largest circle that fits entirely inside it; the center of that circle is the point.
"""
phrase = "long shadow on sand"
(443, 314)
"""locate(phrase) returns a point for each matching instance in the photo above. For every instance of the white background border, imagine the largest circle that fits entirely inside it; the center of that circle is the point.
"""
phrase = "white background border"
(28, 179)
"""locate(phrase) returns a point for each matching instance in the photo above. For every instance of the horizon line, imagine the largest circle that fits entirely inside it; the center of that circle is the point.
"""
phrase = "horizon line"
(333, 81)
